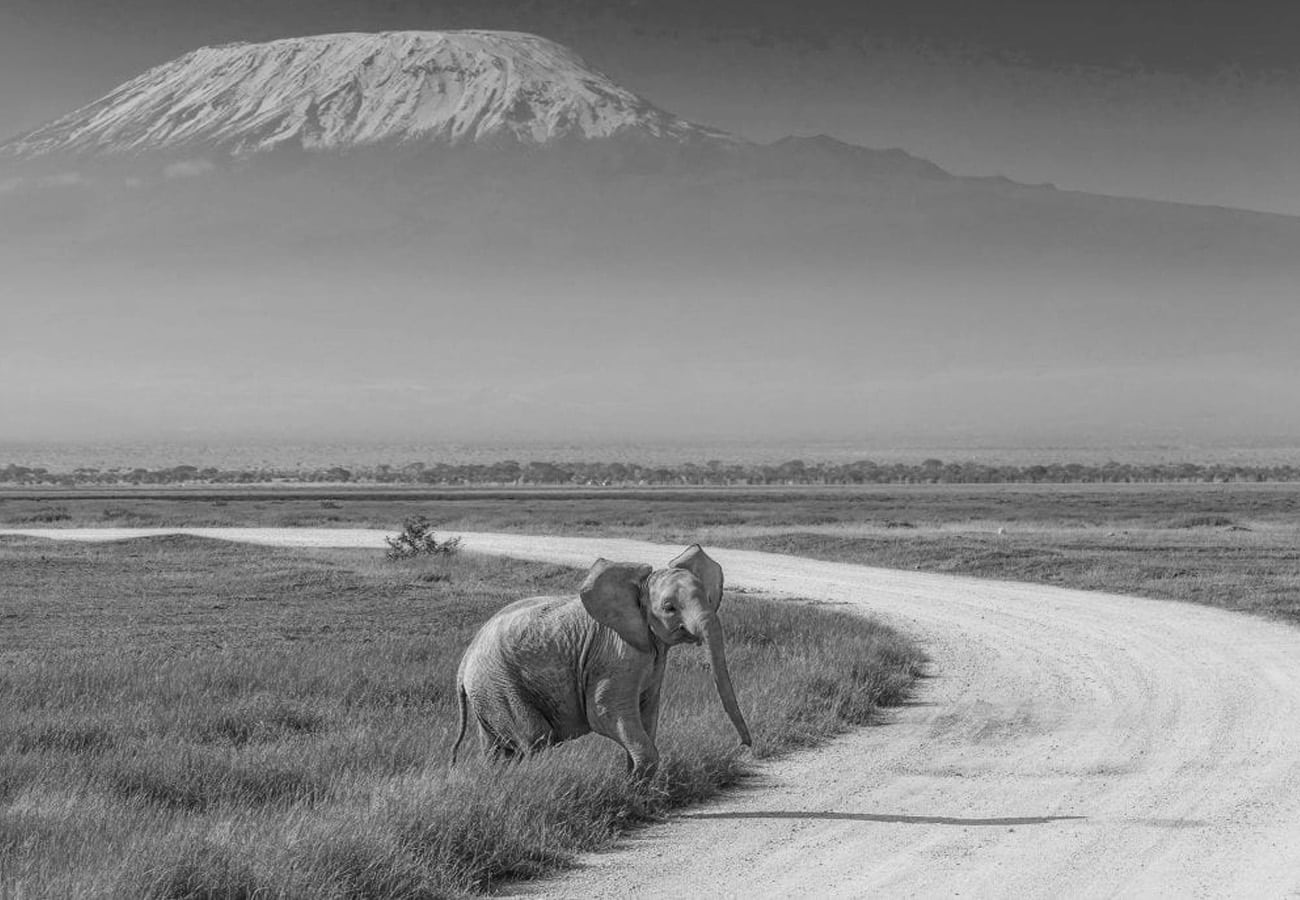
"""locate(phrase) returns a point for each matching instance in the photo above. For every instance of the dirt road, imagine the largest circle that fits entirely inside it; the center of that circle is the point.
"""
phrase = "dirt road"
(1071, 744)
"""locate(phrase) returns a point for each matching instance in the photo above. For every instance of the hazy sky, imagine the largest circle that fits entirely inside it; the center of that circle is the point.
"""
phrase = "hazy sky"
(1188, 100)
(1179, 100)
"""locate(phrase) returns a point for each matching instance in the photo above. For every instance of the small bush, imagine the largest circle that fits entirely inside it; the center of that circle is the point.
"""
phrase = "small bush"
(68, 737)
(46, 516)
(195, 780)
(194, 869)
(258, 722)
(1205, 520)
(417, 539)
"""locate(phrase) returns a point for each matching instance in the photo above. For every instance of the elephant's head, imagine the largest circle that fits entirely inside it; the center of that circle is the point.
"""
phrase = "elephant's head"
(675, 605)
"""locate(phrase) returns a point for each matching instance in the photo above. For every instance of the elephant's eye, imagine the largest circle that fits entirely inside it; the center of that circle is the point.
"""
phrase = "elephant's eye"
(669, 608)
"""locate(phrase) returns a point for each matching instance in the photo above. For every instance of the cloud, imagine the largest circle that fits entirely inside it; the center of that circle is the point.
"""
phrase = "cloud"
(63, 179)
(188, 168)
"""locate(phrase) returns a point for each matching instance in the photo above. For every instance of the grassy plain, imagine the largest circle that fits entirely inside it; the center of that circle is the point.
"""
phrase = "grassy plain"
(186, 718)
(1230, 545)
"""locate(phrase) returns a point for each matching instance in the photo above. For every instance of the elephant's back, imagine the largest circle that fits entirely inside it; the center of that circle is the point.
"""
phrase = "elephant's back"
(540, 607)
(532, 615)
(530, 628)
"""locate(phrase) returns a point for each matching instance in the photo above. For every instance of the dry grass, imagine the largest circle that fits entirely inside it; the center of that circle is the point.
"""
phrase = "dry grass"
(182, 718)
(1229, 545)
(662, 513)
(1251, 571)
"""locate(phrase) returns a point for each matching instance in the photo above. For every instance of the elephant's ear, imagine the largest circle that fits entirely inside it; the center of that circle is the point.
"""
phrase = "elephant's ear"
(694, 560)
(612, 595)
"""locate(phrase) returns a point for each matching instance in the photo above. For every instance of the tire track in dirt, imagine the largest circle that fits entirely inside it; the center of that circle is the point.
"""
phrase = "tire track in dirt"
(1070, 743)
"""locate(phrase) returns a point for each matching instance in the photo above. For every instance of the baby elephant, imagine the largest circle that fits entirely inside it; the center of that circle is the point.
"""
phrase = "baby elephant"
(547, 669)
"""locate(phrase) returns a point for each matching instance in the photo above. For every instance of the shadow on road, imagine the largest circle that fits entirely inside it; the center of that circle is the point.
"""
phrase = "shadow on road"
(887, 818)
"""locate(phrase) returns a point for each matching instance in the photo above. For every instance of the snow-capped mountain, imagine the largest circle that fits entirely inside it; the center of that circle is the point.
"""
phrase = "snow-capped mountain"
(341, 92)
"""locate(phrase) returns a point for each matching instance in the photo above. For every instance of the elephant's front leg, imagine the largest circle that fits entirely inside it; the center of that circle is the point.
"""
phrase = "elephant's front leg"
(616, 713)
(650, 709)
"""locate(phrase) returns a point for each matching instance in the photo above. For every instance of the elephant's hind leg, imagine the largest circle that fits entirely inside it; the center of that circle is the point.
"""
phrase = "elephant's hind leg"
(525, 733)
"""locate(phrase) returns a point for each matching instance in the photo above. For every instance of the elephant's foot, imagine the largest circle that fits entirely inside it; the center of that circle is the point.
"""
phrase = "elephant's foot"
(642, 766)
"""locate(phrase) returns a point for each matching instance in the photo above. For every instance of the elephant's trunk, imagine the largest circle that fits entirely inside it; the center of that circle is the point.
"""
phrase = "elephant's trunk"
(709, 630)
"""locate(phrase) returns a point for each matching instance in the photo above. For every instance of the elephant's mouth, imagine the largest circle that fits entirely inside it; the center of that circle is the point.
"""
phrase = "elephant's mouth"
(683, 636)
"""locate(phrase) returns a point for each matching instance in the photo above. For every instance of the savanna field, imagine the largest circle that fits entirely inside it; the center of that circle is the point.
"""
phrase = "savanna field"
(184, 718)
(189, 718)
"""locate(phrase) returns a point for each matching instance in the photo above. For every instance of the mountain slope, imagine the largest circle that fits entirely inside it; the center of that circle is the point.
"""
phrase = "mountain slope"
(349, 91)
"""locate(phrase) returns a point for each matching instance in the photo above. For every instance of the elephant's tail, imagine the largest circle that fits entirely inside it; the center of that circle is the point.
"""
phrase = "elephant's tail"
(462, 701)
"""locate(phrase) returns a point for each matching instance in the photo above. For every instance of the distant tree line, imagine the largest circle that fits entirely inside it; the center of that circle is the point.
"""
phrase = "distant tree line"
(711, 473)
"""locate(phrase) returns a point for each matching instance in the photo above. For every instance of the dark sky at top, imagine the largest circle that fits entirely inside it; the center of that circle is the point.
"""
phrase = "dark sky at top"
(1187, 36)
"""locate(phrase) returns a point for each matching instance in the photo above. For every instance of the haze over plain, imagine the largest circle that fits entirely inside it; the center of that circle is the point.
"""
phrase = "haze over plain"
(822, 293)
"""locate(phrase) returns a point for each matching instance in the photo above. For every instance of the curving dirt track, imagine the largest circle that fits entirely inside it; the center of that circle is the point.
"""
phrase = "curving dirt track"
(1070, 744)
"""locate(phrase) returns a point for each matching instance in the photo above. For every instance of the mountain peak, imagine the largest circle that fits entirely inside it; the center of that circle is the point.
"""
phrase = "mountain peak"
(339, 92)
